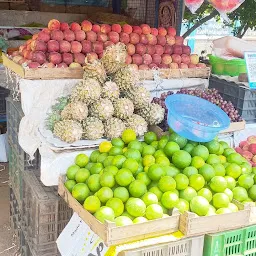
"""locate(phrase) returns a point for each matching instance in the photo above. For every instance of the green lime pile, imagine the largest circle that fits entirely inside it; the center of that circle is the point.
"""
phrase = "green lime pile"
(127, 181)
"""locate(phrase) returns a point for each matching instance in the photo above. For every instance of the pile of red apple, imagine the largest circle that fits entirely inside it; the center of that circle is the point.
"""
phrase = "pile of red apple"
(248, 149)
(64, 45)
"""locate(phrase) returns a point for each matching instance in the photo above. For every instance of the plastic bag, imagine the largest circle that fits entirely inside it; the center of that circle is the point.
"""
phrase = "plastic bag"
(225, 6)
(193, 5)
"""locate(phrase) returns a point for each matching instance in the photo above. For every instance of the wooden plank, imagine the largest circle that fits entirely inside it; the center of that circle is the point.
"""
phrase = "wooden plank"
(113, 235)
(191, 224)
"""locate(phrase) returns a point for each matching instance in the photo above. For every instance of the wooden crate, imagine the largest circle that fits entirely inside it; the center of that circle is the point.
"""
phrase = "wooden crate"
(77, 73)
(234, 127)
(113, 235)
(192, 225)
(42, 73)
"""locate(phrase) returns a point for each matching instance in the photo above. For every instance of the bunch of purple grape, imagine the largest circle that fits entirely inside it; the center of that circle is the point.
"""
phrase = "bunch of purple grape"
(211, 95)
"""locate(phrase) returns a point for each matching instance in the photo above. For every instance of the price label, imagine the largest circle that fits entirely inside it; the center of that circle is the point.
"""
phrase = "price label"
(250, 58)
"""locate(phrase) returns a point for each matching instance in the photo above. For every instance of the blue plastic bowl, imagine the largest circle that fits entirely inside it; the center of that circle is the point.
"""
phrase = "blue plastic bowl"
(194, 118)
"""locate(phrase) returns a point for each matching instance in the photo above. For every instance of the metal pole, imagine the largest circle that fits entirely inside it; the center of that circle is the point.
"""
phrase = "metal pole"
(179, 13)
(156, 13)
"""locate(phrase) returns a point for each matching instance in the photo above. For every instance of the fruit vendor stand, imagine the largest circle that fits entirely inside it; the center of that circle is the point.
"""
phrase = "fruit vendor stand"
(93, 99)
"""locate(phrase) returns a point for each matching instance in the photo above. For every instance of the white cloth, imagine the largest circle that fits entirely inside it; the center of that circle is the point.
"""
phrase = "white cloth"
(37, 97)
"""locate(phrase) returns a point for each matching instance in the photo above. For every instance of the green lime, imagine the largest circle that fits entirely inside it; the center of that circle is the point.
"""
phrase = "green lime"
(121, 193)
(154, 211)
(123, 221)
(143, 176)
(235, 158)
(97, 168)
(124, 177)
(140, 169)
(71, 172)
(112, 169)
(189, 148)
(149, 198)
(116, 205)
(219, 169)
(228, 151)
(188, 193)
(221, 150)
(81, 160)
(233, 170)
(80, 192)
(163, 141)
(139, 220)
(200, 150)
(126, 214)
(89, 166)
(197, 162)
(131, 164)
(92, 204)
(108, 161)
(246, 168)
(196, 181)
(170, 148)
(181, 159)
(231, 182)
(117, 142)
(165, 211)
(69, 184)
(220, 200)
(135, 145)
(211, 211)
(137, 188)
(163, 161)
(182, 206)
(246, 181)
(148, 160)
(101, 157)
(199, 205)
(118, 161)
(229, 193)
(156, 191)
(224, 144)
(170, 170)
(155, 172)
(252, 192)
(182, 181)
(114, 151)
(82, 175)
(207, 171)
(104, 194)
(181, 141)
(154, 144)
(93, 182)
(128, 135)
(133, 153)
(135, 207)
(158, 153)
(148, 150)
(218, 184)
(233, 207)
(169, 199)
(94, 155)
(213, 159)
(107, 179)
(188, 171)
(167, 183)
(206, 193)
(149, 137)
(213, 146)
(105, 213)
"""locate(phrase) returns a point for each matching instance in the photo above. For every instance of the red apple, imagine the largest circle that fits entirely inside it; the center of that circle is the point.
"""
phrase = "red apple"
(177, 49)
(140, 49)
(113, 37)
(137, 30)
(134, 38)
(105, 28)
(152, 40)
(97, 47)
(171, 31)
(64, 26)
(124, 38)
(127, 29)
(130, 49)
(101, 37)
(159, 49)
(75, 26)
(96, 28)
(183, 66)
(137, 59)
(86, 25)
(116, 28)
(69, 35)
(150, 49)
(91, 36)
(143, 67)
(86, 46)
(166, 59)
(54, 24)
(147, 59)
(174, 65)
(168, 49)
(162, 31)
(128, 59)
(143, 39)
(107, 44)
(176, 58)
(154, 31)
(145, 29)
(161, 40)
(156, 59)
(179, 40)
(186, 49)
(170, 40)
(185, 59)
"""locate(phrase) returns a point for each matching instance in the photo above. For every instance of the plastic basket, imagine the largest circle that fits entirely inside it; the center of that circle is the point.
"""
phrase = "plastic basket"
(227, 67)
(243, 99)
(3, 94)
(240, 242)
(44, 215)
(184, 247)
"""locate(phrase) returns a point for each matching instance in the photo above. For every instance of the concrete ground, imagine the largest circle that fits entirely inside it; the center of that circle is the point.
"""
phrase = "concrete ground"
(8, 243)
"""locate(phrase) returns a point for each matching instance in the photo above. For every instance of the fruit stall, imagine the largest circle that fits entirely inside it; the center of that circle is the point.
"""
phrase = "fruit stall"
(122, 143)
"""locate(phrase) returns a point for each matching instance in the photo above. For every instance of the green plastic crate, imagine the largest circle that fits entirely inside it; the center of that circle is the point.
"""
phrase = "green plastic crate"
(240, 242)
(227, 67)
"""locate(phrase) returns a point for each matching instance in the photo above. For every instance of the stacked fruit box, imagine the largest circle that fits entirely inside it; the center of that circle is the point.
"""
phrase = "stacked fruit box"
(38, 214)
